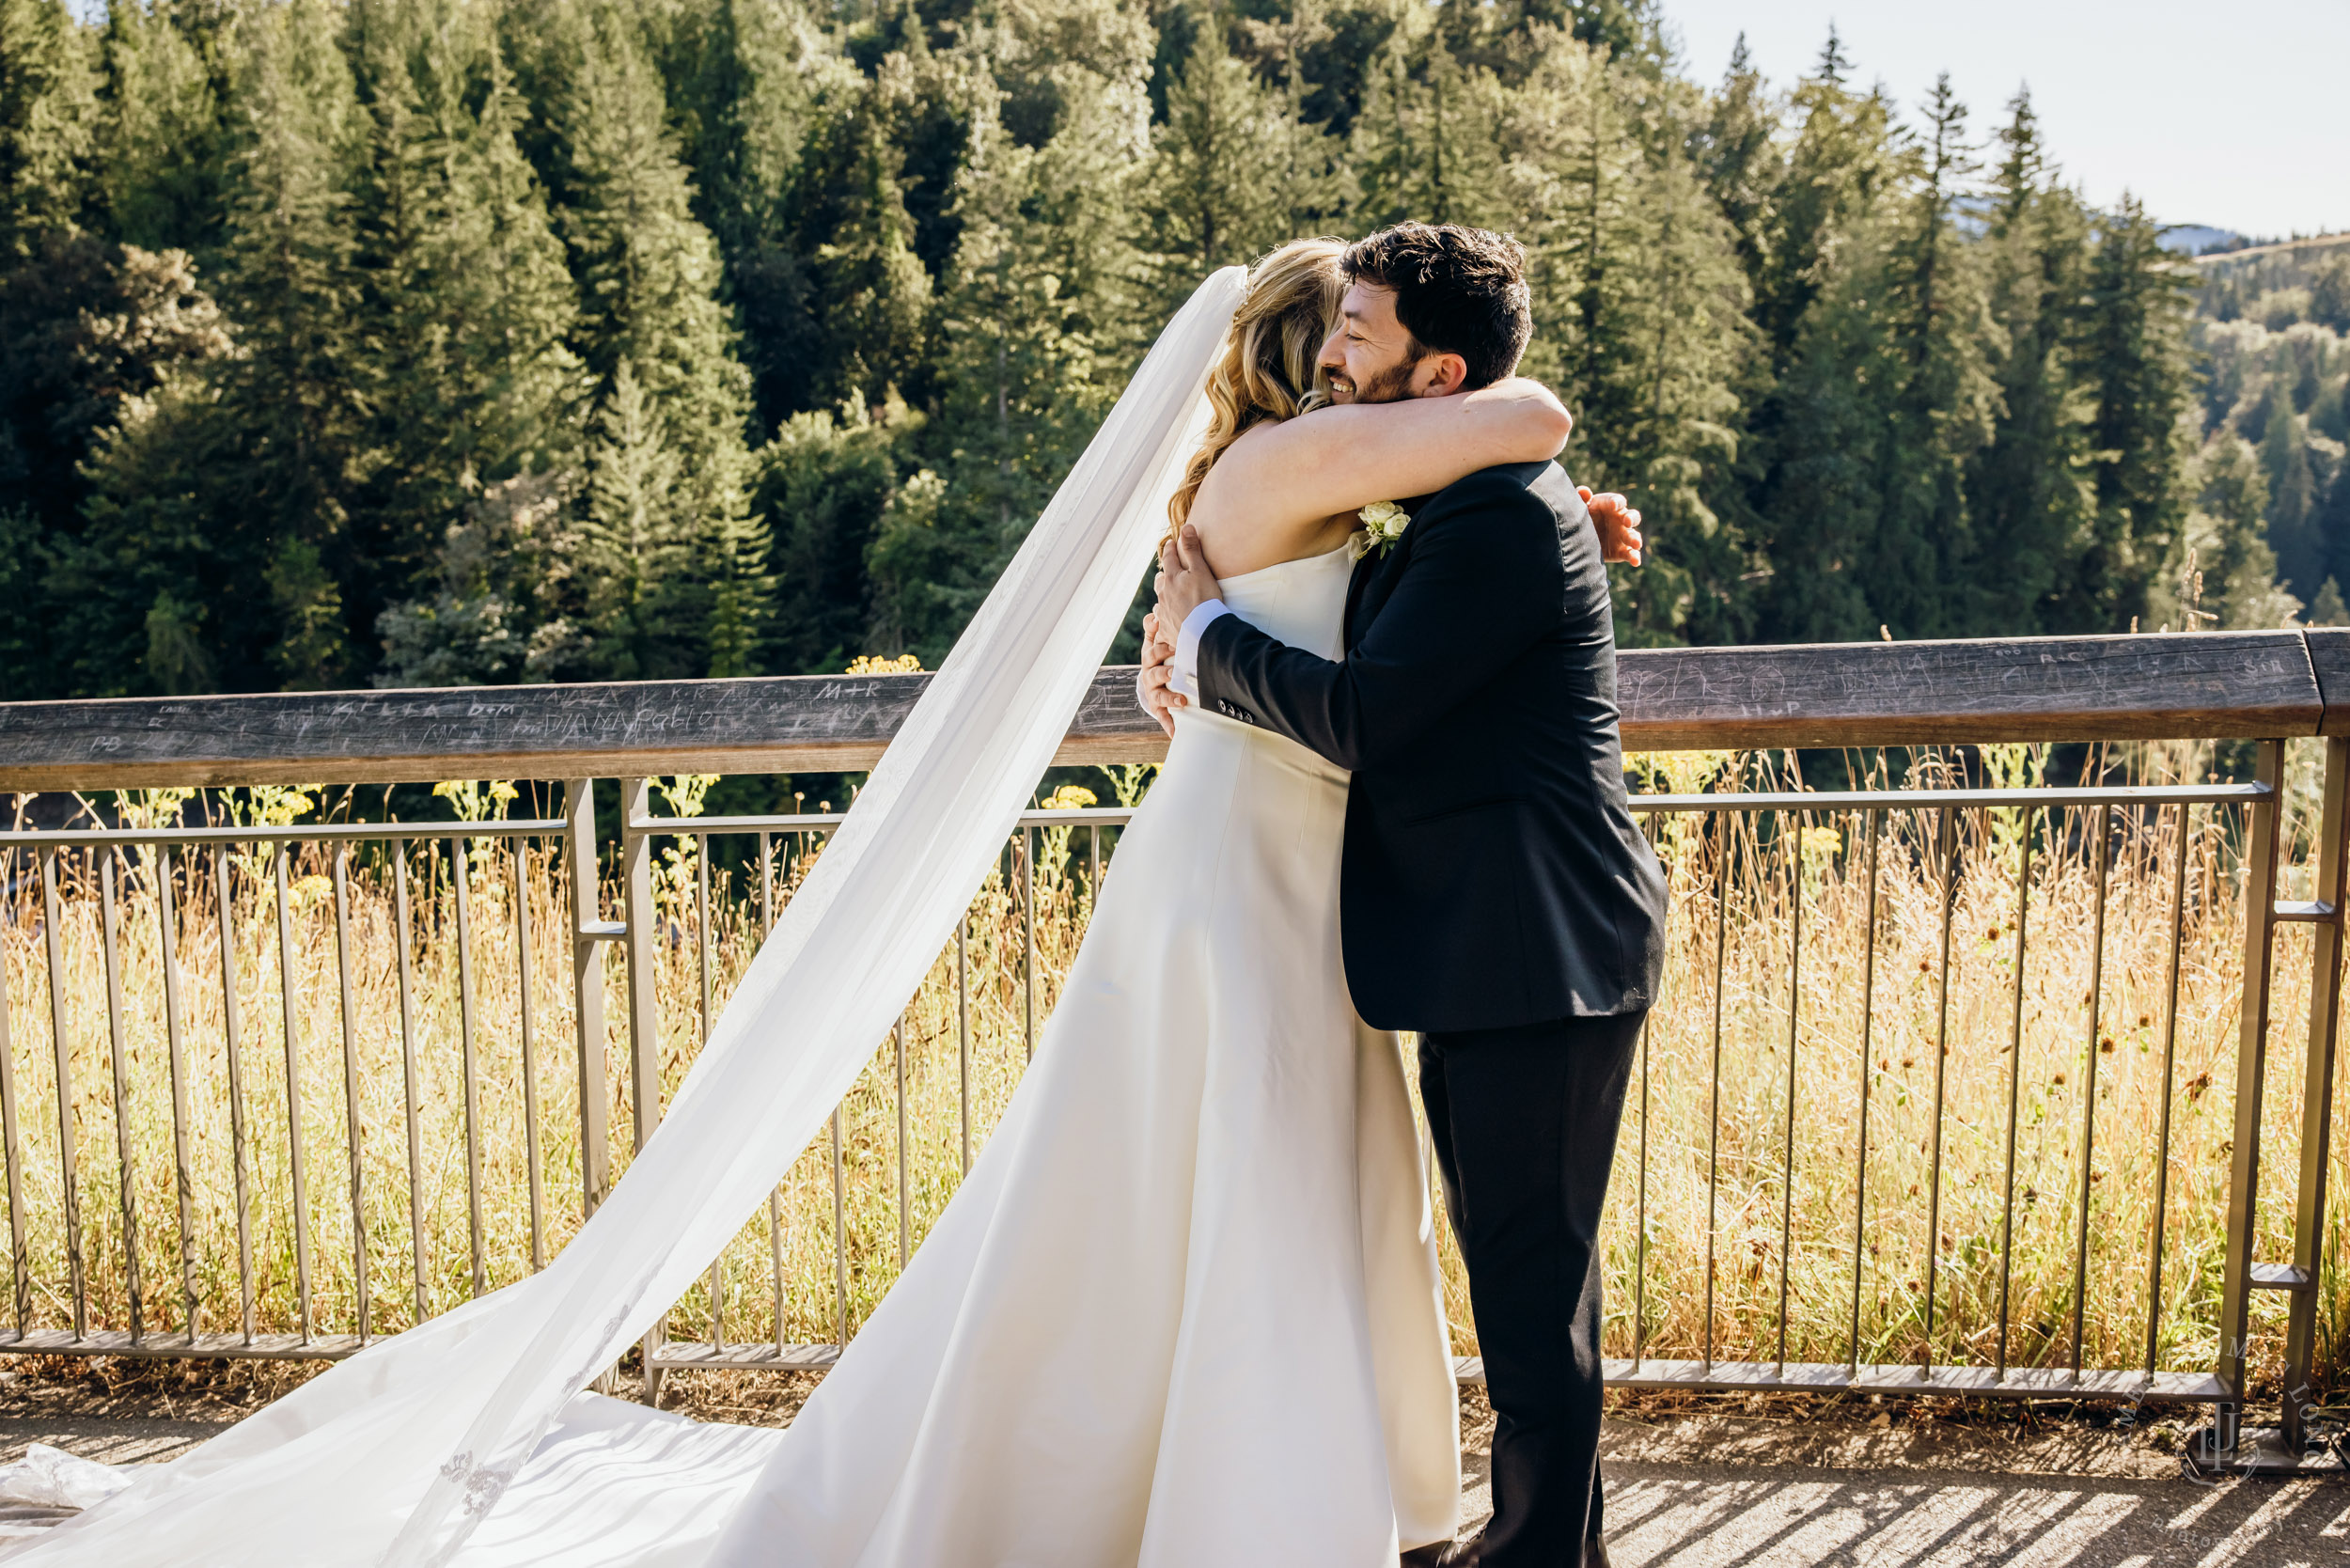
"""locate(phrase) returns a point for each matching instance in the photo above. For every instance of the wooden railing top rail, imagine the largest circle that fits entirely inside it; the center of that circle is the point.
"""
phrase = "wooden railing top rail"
(2211, 685)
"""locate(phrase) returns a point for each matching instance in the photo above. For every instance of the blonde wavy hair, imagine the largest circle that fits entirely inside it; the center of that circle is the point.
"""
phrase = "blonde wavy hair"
(1268, 368)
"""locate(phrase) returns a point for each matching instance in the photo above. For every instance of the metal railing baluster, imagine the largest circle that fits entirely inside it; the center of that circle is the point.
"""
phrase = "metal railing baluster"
(1946, 843)
(839, 1237)
(1639, 1232)
(963, 1032)
(775, 1257)
(1875, 821)
(175, 1037)
(290, 1006)
(2014, 1083)
(20, 1269)
(2104, 819)
(1027, 940)
(774, 1199)
(118, 1057)
(1714, 1099)
(1795, 1017)
(468, 1060)
(701, 920)
(362, 1289)
(529, 1045)
(703, 943)
(232, 1031)
(61, 1053)
(905, 1212)
(411, 1091)
(2170, 1068)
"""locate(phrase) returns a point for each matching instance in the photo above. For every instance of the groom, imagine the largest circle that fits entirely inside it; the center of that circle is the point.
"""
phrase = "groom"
(1496, 898)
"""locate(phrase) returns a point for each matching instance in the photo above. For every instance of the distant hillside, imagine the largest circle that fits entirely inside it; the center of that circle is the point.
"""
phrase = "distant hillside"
(2273, 328)
(2194, 238)
(2310, 251)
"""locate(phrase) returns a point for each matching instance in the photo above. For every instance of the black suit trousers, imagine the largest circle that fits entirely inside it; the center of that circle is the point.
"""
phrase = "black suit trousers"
(1524, 1121)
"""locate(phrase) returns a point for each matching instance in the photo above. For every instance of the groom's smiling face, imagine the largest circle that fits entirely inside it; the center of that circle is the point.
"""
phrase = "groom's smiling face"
(1372, 358)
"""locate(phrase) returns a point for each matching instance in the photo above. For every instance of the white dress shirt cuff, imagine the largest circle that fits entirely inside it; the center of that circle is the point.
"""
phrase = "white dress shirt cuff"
(1184, 677)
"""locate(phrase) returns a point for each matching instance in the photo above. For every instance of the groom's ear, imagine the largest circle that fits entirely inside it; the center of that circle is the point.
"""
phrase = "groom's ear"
(1442, 375)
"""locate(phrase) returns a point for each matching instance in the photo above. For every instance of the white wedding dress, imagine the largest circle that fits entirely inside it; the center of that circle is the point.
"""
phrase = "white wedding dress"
(1184, 1311)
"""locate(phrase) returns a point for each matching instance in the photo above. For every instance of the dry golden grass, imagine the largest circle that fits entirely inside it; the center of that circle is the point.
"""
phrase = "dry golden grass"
(1665, 1151)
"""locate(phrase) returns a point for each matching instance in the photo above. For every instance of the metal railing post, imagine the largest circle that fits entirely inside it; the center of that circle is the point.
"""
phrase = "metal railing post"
(590, 930)
(2309, 1216)
(643, 1018)
(2260, 914)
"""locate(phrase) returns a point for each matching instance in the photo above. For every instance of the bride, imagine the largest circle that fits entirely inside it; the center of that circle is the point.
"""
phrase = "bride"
(1184, 1310)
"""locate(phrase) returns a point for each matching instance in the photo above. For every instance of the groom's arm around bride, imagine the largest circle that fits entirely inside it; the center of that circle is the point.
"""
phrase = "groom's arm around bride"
(1497, 897)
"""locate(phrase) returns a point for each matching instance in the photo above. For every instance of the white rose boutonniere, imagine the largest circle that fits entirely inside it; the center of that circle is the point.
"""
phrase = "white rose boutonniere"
(1384, 523)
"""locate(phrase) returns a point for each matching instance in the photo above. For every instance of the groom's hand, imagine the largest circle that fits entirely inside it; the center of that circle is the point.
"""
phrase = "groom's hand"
(1184, 581)
(1616, 524)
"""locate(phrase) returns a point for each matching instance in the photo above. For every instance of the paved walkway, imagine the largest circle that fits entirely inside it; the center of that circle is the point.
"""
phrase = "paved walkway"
(1716, 1491)
(1701, 1517)
(1777, 1494)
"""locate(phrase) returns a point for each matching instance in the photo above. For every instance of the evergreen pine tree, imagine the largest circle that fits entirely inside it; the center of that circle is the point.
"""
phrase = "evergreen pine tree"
(1938, 396)
(296, 298)
(2328, 609)
(470, 305)
(673, 565)
(48, 123)
(1836, 167)
(762, 81)
(636, 551)
(217, 520)
(1312, 188)
(2292, 505)
(1741, 163)
(1820, 501)
(1215, 191)
(2227, 542)
(1638, 304)
(1430, 142)
(1035, 328)
(871, 294)
(168, 149)
(2029, 487)
(2134, 373)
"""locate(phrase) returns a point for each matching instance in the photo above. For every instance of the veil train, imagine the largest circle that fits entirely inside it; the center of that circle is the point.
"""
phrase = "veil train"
(393, 1457)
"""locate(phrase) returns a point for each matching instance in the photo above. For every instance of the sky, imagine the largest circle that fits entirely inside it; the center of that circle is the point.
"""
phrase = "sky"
(2236, 118)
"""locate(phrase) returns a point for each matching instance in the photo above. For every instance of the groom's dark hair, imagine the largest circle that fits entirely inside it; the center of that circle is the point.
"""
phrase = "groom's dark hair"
(1457, 291)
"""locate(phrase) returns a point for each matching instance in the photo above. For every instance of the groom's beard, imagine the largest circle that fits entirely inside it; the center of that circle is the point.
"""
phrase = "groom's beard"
(1391, 386)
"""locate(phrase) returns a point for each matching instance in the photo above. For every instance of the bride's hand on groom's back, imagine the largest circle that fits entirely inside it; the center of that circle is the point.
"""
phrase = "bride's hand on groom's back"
(1158, 700)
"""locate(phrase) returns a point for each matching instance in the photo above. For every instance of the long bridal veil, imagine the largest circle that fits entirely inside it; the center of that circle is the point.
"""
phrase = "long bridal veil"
(396, 1455)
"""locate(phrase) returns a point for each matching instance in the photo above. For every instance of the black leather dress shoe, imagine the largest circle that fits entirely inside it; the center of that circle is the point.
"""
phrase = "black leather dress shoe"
(1464, 1554)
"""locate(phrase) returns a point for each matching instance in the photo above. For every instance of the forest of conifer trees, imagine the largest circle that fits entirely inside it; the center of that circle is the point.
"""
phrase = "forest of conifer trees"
(449, 341)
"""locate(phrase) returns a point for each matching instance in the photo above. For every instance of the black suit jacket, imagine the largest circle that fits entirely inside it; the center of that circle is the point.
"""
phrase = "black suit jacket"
(1493, 875)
